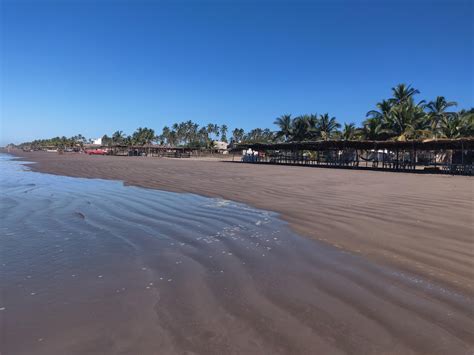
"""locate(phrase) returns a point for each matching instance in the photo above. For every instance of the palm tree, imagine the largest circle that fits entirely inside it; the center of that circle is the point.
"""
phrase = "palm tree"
(238, 135)
(216, 130)
(402, 93)
(398, 117)
(450, 126)
(314, 131)
(439, 105)
(407, 121)
(81, 140)
(327, 126)
(267, 135)
(106, 140)
(118, 137)
(210, 128)
(143, 136)
(128, 141)
(224, 129)
(285, 123)
(348, 131)
(372, 129)
(173, 138)
(165, 134)
(437, 111)
(467, 117)
(300, 129)
(258, 135)
(383, 111)
(457, 124)
(203, 136)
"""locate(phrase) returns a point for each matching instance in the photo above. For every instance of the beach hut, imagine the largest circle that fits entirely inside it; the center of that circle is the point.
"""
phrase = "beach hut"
(435, 155)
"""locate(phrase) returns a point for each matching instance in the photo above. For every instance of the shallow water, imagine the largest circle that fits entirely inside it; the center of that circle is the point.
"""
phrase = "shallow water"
(92, 266)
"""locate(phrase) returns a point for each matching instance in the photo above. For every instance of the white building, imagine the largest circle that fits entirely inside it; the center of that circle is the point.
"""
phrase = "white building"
(221, 145)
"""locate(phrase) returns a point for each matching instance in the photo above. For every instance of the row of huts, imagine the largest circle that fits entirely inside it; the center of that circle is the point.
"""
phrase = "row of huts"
(454, 156)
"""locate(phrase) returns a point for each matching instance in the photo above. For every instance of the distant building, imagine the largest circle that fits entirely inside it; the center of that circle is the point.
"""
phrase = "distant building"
(97, 141)
(219, 145)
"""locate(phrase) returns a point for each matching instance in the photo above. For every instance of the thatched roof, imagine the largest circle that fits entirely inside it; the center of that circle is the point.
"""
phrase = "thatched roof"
(152, 146)
(431, 144)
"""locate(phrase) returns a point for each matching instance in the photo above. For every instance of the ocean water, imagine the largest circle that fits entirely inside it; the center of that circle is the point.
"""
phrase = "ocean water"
(95, 267)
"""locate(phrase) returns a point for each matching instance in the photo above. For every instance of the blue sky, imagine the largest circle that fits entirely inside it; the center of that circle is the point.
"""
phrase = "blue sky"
(93, 67)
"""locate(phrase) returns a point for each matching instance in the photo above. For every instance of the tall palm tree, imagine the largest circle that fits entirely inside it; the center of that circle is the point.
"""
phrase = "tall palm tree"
(118, 137)
(314, 131)
(216, 130)
(203, 136)
(224, 130)
(383, 111)
(210, 128)
(238, 135)
(402, 93)
(437, 111)
(165, 134)
(176, 127)
(173, 138)
(193, 131)
(439, 105)
(284, 123)
(327, 126)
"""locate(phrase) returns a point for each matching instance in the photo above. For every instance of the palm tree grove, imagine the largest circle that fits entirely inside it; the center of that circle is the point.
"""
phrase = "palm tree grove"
(400, 118)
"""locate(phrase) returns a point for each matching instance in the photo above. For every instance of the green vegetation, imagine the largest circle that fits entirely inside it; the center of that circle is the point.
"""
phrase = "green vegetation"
(398, 118)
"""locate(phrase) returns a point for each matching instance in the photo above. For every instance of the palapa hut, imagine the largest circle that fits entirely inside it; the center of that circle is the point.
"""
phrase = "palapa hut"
(453, 156)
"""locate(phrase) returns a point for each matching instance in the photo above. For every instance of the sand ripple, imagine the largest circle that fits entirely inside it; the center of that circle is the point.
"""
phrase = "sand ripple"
(91, 266)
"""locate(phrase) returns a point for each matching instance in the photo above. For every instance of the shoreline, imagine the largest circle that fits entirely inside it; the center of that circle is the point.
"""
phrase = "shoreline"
(79, 271)
(421, 224)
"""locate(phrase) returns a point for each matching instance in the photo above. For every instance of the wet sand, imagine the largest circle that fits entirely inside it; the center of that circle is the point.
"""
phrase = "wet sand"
(390, 271)
(419, 223)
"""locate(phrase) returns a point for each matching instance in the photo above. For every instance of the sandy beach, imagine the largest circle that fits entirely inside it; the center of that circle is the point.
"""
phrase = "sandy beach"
(419, 223)
(390, 271)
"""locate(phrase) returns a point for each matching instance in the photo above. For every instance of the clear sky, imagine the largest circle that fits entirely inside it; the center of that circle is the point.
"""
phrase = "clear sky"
(93, 67)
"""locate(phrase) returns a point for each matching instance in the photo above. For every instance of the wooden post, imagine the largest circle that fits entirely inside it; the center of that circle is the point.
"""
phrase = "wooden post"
(383, 158)
(397, 164)
(376, 155)
(414, 157)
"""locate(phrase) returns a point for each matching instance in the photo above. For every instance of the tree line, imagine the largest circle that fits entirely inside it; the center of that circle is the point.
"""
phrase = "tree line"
(399, 117)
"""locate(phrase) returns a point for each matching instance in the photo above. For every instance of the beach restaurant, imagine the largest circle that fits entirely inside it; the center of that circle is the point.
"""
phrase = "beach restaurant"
(451, 156)
(152, 150)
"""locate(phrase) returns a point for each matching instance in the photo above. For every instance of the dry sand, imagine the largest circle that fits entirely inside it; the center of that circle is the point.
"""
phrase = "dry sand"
(419, 225)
